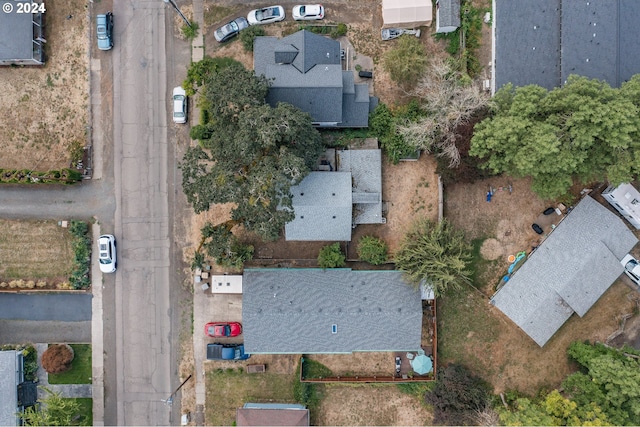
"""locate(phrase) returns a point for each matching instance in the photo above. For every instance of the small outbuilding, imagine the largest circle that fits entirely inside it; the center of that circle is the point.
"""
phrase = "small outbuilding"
(407, 13)
(447, 15)
(272, 414)
(626, 199)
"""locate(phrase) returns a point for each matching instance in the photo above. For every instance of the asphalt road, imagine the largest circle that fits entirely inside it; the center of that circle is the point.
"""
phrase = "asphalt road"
(145, 356)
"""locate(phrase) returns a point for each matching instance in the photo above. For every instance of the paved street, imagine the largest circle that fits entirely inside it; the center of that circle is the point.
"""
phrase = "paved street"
(143, 351)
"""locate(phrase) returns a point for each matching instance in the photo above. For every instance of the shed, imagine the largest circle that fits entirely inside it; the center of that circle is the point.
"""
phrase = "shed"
(406, 13)
(272, 414)
(226, 284)
(447, 15)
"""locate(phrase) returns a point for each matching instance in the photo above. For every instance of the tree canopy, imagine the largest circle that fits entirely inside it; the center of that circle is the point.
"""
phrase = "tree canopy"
(584, 130)
(249, 154)
(436, 253)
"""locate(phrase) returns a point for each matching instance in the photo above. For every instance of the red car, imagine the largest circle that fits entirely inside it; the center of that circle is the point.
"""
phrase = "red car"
(222, 329)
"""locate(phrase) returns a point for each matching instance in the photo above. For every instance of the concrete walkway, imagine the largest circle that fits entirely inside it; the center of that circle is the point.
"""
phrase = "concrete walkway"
(65, 390)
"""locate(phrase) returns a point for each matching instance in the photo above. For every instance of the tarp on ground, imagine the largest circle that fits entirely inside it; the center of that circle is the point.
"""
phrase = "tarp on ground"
(406, 13)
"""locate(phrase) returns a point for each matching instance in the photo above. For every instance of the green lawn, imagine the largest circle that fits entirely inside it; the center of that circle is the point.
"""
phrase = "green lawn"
(86, 412)
(80, 372)
(231, 388)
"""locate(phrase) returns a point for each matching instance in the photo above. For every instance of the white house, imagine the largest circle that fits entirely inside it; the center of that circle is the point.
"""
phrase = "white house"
(626, 199)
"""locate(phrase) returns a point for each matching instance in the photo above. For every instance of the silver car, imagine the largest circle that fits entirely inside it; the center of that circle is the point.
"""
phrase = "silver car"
(231, 29)
(107, 253)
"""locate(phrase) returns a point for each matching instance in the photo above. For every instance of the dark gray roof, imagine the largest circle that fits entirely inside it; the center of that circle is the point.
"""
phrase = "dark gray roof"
(293, 311)
(16, 37)
(568, 272)
(543, 42)
(306, 71)
(323, 206)
(448, 13)
(9, 379)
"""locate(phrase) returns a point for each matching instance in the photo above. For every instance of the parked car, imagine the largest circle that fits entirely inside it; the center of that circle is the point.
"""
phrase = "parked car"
(179, 105)
(631, 268)
(222, 329)
(226, 352)
(307, 12)
(230, 30)
(266, 15)
(107, 253)
(104, 31)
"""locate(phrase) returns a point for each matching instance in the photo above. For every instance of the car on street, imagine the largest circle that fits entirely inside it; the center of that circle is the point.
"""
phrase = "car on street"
(266, 15)
(222, 329)
(107, 253)
(307, 12)
(179, 101)
(104, 31)
(226, 352)
(631, 268)
(230, 30)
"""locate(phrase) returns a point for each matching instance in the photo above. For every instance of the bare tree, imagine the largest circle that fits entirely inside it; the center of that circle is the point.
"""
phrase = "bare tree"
(450, 101)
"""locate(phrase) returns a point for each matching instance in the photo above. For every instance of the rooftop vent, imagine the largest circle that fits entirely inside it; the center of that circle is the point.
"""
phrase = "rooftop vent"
(334, 329)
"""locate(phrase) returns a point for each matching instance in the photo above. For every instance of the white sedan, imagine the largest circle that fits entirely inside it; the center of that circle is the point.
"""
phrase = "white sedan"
(107, 253)
(266, 15)
(179, 105)
(308, 12)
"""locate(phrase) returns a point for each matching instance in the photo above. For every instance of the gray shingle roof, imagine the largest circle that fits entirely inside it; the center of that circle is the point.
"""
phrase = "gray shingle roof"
(306, 72)
(448, 13)
(544, 41)
(570, 270)
(16, 37)
(365, 167)
(293, 311)
(322, 205)
(9, 380)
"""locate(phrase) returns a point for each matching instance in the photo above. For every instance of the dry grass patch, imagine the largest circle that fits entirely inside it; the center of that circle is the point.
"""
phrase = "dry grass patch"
(45, 110)
(35, 250)
(228, 389)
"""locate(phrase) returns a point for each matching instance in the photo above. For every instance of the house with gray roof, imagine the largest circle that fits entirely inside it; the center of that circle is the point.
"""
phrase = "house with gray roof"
(305, 70)
(11, 376)
(329, 204)
(568, 272)
(308, 311)
(447, 15)
(542, 42)
(21, 36)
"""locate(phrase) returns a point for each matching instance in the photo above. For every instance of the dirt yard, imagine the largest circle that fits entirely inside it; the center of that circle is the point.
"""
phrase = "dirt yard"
(45, 110)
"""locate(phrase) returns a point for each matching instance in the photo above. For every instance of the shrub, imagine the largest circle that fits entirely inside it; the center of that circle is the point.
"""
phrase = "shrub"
(331, 256)
(30, 355)
(57, 358)
(339, 31)
(248, 35)
(372, 250)
(79, 277)
(406, 62)
(190, 32)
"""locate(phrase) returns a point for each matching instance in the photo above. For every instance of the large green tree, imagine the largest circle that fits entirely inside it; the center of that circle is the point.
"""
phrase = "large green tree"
(585, 130)
(52, 410)
(435, 253)
(250, 155)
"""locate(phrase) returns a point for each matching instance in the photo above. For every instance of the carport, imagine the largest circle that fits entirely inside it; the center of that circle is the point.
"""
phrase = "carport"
(406, 13)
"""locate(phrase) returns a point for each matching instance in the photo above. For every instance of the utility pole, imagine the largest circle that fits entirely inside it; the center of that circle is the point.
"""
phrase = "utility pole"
(175, 6)
(169, 401)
